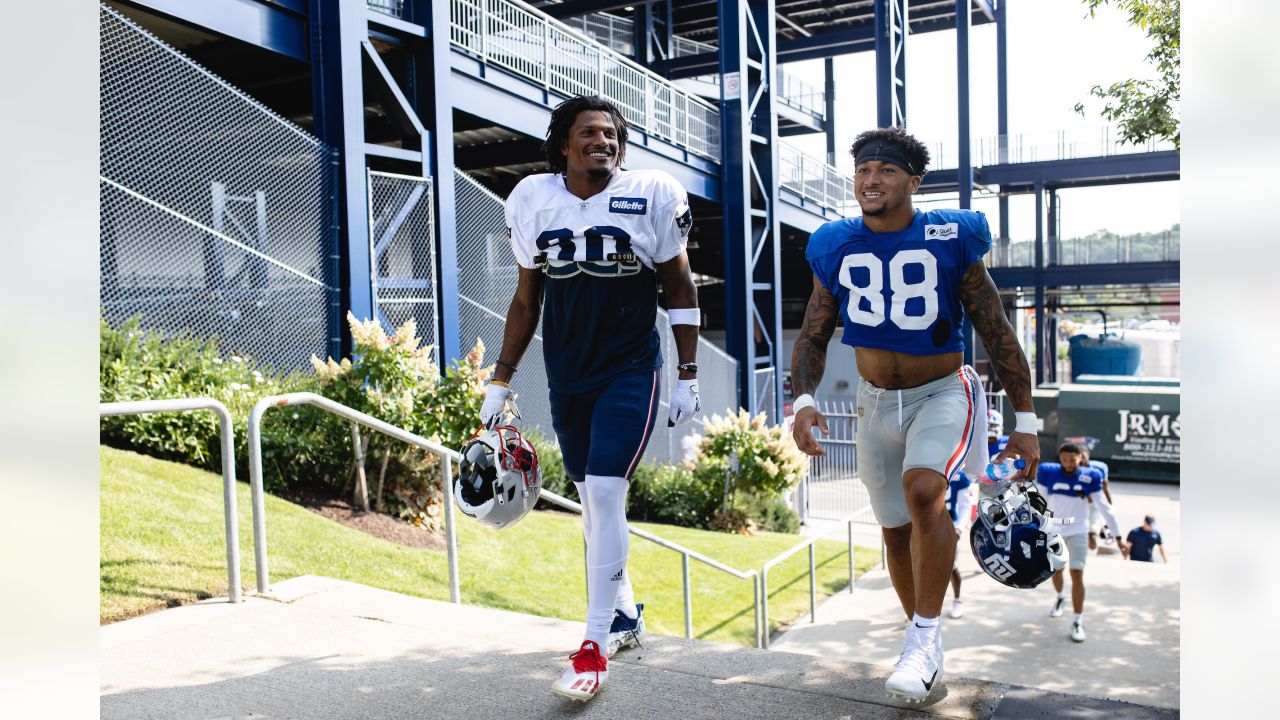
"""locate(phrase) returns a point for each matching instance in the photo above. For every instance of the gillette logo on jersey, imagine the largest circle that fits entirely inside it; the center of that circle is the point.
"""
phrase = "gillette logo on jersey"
(900, 290)
(630, 206)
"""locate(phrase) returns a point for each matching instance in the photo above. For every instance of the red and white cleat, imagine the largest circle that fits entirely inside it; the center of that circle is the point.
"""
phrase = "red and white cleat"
(587, 675)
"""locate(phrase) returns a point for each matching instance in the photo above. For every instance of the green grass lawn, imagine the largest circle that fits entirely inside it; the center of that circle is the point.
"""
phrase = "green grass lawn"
(162, 545)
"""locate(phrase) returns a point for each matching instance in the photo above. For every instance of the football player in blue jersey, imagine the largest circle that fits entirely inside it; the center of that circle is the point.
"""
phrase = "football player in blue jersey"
(593, 242)
(904, 280)
(1070, 486)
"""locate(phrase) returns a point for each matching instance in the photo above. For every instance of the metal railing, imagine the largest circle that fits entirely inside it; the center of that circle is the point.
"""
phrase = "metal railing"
(143, 407)
(447, 458)
(1102, 141)
(519, 38)
(832, 489)
(685, 555)
(810, 543)
(814, 179)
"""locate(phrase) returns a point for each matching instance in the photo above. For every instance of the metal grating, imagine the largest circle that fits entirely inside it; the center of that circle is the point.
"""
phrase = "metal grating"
(216, 214)
(402, 250)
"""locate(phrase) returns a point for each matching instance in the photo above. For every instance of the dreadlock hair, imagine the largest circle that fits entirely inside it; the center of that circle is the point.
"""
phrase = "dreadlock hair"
(896, 135)
(563, 117)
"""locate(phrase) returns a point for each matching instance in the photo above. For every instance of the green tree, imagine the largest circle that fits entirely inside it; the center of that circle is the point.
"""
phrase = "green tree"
(1147, 109)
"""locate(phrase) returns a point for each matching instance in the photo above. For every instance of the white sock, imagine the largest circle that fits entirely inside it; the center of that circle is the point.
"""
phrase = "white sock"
(626, 599)
(606, 552)
(1062, 595)
(1079, 618)
(924, 622)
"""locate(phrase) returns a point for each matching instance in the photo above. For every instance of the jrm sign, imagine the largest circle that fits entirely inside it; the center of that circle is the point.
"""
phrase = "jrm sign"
(1149, 436)
(1136, 429)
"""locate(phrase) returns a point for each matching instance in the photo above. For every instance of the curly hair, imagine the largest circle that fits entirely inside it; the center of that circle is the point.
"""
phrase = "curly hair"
(897, 135)
(563, 117)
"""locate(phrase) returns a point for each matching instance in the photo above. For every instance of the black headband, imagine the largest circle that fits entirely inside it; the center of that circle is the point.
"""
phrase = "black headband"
(889, 152)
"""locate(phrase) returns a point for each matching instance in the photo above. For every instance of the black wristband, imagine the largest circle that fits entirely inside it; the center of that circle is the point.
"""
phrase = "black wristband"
(691, 367)
(507, 365)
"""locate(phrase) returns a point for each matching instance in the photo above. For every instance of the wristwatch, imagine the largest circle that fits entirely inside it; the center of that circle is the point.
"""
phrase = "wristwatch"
(689, 367)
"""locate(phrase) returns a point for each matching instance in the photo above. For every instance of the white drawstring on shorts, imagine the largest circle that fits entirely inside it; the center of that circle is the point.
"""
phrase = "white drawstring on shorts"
(899, 409)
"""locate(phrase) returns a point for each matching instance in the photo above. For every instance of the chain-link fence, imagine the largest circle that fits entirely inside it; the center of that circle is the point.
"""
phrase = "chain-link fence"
(487, 276)
(402, 249)
(217, 215)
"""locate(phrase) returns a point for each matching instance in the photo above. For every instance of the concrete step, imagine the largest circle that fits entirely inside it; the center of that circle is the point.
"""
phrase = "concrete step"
(323, 648)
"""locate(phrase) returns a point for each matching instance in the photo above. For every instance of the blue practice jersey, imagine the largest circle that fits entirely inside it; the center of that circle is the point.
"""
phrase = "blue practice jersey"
(1083, 482)
(600, 298)
(959, 484)
(1101, 467)
(900, 291)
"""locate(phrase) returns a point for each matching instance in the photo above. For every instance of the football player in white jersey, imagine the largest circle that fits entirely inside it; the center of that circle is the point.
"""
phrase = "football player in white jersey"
(905, 280)
(593, 242)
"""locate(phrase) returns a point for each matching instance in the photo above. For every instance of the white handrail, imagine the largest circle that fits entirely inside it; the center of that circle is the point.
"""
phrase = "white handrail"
(447, 457)
(522, 39)
(142, 407)
(813, 584)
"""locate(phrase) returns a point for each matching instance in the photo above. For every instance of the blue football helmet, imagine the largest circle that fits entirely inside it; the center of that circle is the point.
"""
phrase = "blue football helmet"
(1015, 538)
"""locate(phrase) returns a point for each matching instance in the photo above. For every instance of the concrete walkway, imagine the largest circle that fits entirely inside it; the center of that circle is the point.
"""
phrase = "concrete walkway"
(1131, 616)
(322, 648)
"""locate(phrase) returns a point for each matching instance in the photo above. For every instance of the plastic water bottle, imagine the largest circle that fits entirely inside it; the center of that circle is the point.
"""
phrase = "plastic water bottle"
(1001, 472)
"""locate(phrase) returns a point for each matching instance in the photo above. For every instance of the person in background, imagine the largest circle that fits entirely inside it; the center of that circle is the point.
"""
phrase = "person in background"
(1069, 488)
(959, 506)
(1143, 539)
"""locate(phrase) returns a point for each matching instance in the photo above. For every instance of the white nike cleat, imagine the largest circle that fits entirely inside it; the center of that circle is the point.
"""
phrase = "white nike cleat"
(625, 632)
(957, 609)
(586, 676)
(1058, 606)
(1077, 632)
(919, 668)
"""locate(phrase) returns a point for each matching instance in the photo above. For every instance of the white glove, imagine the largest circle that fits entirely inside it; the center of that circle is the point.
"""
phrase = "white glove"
(684, 402)
(495, 399)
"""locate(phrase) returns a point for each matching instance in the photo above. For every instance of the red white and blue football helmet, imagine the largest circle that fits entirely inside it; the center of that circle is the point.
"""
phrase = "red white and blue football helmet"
(499, 479)
(1015, 537)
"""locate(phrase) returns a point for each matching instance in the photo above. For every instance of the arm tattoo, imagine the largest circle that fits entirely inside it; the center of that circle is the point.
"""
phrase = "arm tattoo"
(809, 357)
(982, 301)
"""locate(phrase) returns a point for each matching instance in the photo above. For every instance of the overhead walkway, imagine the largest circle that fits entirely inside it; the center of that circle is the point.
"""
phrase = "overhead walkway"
(318, 647)
(512, 63)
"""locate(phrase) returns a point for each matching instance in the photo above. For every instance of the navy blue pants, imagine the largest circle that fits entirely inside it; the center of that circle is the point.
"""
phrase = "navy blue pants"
(605, 431)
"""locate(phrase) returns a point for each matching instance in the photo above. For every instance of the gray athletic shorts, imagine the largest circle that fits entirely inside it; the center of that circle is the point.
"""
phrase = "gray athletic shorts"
(939, 425)
(1077, 550)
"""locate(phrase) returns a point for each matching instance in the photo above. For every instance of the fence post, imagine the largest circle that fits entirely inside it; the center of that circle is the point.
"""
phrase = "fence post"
(813, 584)
(688, 598)
(851, 576)
(450, 531)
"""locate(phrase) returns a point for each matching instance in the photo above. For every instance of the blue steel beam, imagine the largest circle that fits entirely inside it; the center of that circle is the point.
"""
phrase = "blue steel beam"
(1018, 178)
(279, 26)
(891, 23)
(749, 158)
(393, 100)
(338, 28)
(430, 83)
(1142, 273)
(965, 169)
(573, 8)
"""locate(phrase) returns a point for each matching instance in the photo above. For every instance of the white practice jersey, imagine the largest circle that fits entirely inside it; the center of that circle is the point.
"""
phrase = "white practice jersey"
(643, 215)
(600, 298)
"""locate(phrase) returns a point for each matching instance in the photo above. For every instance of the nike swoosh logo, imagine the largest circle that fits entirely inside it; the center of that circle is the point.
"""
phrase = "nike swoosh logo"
(929, 685)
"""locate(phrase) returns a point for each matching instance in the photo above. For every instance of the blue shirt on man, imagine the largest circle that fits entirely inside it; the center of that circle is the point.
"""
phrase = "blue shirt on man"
(1142, 542)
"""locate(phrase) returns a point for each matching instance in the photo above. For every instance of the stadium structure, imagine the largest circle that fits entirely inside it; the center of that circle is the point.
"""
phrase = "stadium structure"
(270, 165)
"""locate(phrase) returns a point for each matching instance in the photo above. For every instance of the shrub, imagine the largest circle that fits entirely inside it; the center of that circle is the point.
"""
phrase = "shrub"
(137, 364)
(673, 494)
